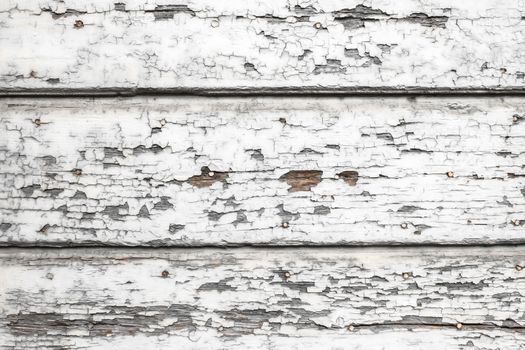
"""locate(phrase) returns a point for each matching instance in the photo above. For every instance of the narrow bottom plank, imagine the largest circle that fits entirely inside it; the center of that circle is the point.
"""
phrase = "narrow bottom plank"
(363, 298)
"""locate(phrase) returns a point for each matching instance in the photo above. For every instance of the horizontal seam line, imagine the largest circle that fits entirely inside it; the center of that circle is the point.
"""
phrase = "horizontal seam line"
(397, 246)
(285, 92)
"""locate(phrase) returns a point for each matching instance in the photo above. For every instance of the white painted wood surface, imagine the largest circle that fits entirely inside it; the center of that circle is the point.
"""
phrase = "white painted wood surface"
(363, 298)
(328, 171)
(191, 45)
(276, 171)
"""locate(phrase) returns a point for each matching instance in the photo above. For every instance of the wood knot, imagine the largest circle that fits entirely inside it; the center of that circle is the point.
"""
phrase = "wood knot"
(165, 274)
(78, 24)
(207, 178)
(302, 180)
(349, 176)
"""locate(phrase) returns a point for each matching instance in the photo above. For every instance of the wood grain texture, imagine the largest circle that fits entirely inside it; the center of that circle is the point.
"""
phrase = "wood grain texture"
(207, 171)
(365, 298)
(314, 45)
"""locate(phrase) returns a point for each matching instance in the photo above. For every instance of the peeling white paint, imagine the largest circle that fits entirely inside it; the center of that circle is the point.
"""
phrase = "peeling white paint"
(239, 45)
(378, 170)
(267, 298)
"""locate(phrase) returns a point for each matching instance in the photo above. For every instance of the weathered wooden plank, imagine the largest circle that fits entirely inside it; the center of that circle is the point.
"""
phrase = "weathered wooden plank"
(270, 298)
(200, 171)
(192, 45)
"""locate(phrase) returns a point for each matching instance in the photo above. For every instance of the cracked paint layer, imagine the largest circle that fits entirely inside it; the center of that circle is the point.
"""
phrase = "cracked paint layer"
(285, 298)
(195, 45)
(280, 171)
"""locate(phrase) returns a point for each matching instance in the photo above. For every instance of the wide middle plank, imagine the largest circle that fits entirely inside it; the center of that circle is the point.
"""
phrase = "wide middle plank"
(201, 171)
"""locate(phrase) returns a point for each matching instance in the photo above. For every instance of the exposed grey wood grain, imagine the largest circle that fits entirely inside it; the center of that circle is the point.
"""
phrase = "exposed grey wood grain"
(366, 298)
(195, 45)
(201, 171)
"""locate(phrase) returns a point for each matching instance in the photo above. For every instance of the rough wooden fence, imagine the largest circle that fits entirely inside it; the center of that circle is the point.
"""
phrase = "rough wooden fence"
(352, 174)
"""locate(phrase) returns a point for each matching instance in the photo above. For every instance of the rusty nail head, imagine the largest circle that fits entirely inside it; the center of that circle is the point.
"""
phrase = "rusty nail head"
(285, 225)
(77, 172)
(165, 274)
(287, 274)
(404, 225)
(450, 174)
(317, 25)
(37, 122)
(78, 24)
(518, 267)
(406, 275)
(515, 118)
(211, 173)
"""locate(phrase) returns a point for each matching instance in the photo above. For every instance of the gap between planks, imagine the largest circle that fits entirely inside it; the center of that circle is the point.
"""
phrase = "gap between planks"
(276, 92)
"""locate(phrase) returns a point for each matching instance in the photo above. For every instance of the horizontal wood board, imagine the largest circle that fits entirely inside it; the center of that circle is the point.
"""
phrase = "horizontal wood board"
(129, 46)
(268, 298)
(264, 171)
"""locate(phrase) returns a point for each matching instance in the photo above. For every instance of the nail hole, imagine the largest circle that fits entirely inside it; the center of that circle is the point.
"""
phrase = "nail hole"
(165, 274)
(78, 24)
